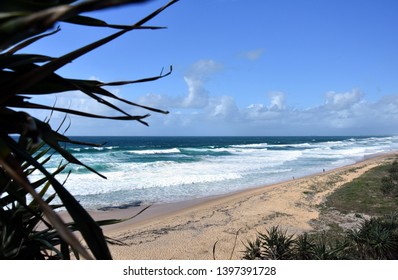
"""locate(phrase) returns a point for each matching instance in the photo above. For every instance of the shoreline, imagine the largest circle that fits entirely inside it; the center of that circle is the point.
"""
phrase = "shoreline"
(161, 231)
(155, 211)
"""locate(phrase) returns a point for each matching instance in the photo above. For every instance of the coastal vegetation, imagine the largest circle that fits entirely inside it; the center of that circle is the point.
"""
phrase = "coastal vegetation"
(376, 236)
(366, 195)
(30, 228)
(389, 183)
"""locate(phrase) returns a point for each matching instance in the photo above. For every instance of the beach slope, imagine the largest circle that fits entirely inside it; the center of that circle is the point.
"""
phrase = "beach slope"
(191, 233)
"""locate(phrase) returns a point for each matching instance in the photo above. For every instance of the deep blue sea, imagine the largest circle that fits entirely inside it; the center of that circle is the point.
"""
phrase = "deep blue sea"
(147, 170)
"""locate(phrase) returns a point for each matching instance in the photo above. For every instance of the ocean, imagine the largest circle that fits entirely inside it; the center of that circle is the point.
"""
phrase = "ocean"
(151, 170)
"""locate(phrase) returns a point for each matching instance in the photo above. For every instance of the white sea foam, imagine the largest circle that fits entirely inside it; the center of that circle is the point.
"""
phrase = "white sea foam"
(260, 145)
(102, 148)
(154, 152)
(208, 149)
(208, 170)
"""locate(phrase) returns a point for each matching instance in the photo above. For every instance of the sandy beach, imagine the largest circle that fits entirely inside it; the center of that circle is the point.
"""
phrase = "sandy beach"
(189, 230)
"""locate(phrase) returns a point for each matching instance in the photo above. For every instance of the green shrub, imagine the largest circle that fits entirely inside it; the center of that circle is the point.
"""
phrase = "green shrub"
(375, 239)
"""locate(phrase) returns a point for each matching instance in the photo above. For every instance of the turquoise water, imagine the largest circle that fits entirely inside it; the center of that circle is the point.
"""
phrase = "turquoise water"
(146, 170)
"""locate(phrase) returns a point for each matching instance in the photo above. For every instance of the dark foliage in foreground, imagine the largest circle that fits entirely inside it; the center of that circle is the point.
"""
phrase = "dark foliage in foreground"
(29, 226)
(375, 239)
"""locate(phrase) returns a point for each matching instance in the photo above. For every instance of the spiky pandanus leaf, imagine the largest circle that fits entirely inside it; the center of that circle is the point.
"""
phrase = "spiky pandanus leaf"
(22, 23)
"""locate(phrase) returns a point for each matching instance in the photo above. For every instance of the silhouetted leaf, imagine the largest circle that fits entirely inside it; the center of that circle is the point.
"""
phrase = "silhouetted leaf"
(23, 22)
(31, 41)
(16, 173)
(89, 21)
(90, 231)
(36, 75)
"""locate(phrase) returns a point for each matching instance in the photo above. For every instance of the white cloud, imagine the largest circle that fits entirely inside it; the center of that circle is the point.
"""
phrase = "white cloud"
(342, 113)
(202, 111)
(160, 101)
(198, 73)
(223, 108)
(390, 105)
(198, 96)
(274, 111)
(203, 69)
(253, 54)
(343, 100)
(277, 100)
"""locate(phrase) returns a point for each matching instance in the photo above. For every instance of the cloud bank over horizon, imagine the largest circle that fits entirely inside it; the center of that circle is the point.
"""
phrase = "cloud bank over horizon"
(341, 113)
(201, 111)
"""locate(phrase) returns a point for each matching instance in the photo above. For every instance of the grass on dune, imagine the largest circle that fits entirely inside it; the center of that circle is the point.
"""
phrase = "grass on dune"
(364, 195)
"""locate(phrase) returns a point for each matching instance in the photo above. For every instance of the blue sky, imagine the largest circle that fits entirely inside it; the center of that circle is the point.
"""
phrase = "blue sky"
(243, 67)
